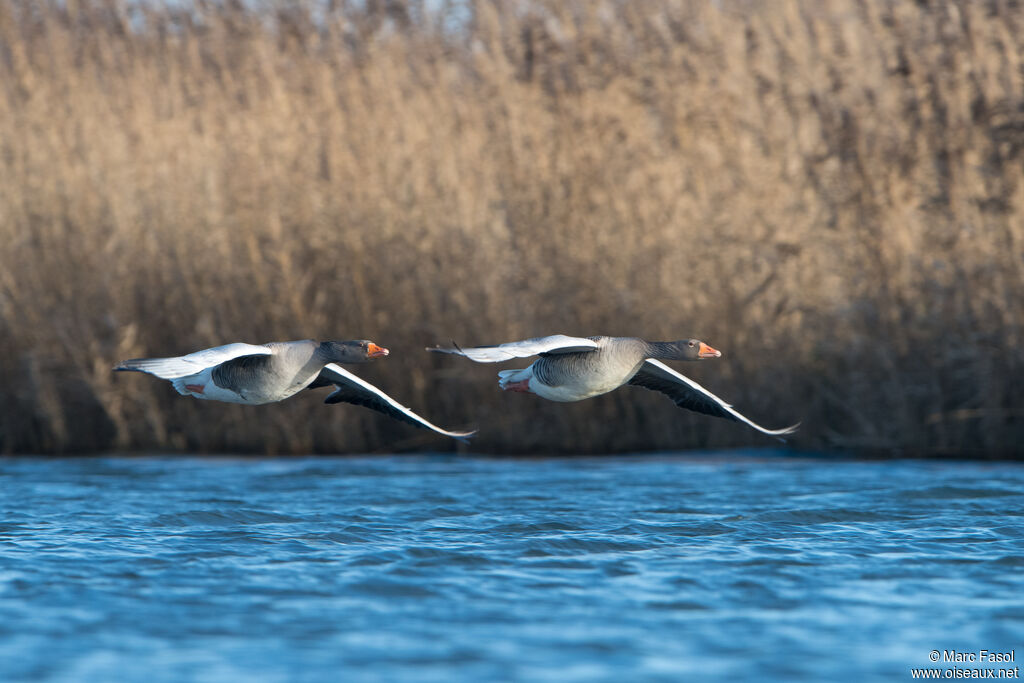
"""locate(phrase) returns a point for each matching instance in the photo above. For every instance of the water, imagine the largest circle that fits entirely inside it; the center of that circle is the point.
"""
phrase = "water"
(747, 566)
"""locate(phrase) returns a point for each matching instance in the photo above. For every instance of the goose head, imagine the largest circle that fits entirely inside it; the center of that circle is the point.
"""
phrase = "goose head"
(686, 349)
(356, 351)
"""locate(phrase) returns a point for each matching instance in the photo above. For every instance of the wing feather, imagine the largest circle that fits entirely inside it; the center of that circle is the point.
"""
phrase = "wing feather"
(182, 366)
(554, 344)
(686, 393)
(352, 389)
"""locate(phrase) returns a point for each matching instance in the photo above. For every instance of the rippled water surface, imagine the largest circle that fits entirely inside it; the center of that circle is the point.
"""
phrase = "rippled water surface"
(705, 566)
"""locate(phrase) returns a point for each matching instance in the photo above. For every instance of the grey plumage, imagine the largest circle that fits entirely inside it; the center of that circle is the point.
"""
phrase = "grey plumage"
(613, 356)
(268, 378)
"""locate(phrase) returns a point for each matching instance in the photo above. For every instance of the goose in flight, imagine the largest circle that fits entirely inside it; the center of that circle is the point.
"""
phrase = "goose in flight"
(254, 374)
(576, 368)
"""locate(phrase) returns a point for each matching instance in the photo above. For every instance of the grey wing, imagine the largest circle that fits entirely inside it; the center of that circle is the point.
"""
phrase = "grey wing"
(688, 394)
(351, 389)
(182, 366)
(555, 344)
(242, 374)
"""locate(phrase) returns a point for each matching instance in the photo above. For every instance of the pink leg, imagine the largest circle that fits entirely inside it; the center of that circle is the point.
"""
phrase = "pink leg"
(195, 388)
(522, 386)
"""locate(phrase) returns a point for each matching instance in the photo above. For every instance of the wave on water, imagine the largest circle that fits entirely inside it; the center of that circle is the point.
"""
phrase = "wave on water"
(421, 568)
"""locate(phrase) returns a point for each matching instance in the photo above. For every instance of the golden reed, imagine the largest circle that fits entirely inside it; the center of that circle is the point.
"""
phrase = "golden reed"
(830, 191)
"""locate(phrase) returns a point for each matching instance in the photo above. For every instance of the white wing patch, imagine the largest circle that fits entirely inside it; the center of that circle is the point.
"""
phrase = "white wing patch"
(683, 379)
(183, 366)
(556, 343)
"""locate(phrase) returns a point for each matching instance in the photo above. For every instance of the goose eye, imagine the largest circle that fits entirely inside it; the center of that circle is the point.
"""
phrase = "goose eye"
(691, 345)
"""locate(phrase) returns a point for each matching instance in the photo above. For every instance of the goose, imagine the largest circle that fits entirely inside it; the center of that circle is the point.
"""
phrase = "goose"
(577, 368)
(254, 374)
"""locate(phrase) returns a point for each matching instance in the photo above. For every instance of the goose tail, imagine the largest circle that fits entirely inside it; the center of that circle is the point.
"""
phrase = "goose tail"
(506, 377)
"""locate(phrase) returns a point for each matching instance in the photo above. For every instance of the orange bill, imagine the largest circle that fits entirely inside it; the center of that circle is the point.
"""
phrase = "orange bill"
(705, 351)
(374, 351)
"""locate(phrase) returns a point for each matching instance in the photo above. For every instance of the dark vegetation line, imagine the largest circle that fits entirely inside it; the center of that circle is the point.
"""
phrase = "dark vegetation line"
(828, 191)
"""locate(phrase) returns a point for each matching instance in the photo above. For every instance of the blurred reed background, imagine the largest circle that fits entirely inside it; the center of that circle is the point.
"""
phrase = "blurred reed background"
(829, 191)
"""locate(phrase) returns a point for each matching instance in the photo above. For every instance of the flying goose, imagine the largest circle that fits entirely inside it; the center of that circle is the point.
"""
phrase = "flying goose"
(254, 374)
(576, 368)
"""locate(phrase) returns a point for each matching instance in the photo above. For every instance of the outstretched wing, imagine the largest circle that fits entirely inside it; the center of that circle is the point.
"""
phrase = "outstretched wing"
(182, 366)
(692, 396)
(555, 344)
(351, 389)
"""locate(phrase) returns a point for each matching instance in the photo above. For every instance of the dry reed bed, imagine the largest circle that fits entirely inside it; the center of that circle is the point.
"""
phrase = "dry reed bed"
(829, 191)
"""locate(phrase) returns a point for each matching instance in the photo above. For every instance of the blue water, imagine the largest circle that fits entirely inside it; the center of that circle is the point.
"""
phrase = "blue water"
(750, 566)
